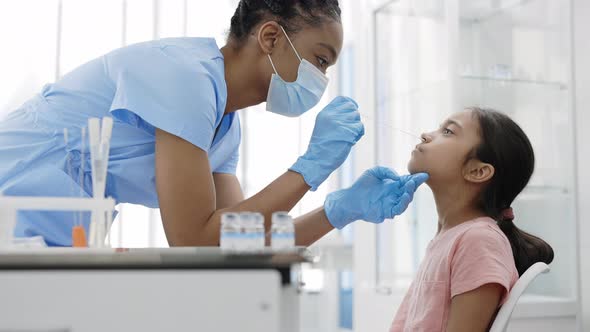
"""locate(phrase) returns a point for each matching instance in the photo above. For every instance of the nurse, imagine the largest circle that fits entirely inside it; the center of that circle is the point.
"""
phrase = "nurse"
(176, 135)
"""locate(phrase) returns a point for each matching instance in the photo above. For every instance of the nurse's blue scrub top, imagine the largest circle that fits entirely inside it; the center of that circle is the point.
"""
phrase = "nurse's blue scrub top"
(177, 85)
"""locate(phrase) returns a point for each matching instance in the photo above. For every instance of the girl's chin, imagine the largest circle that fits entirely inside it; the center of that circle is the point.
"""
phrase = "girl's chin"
(413, 167)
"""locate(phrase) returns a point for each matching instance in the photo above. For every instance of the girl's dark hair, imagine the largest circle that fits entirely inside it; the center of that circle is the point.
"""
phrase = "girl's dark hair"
(505, 146)
(292, 15)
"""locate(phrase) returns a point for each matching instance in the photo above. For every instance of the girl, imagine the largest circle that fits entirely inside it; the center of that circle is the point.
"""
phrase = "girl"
(479, 160)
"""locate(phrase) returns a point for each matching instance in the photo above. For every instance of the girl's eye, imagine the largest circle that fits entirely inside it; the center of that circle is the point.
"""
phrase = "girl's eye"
(323, 62)
(447, 131)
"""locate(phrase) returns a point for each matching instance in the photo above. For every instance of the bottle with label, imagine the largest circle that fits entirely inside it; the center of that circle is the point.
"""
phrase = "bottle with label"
(231, 231)
(252, 230)
(282, 231)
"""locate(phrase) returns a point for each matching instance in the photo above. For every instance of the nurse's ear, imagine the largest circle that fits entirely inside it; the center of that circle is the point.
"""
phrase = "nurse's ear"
(268, 36)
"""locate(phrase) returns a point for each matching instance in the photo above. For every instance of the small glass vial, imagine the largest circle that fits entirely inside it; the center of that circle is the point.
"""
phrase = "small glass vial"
(231, 231)
(282, 231)
(258, 224)
(253, 230)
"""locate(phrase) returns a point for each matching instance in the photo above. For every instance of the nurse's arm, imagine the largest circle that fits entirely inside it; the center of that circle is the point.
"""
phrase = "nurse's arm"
(228, 191)
(311, 227)
(188, 202)
(308, 228)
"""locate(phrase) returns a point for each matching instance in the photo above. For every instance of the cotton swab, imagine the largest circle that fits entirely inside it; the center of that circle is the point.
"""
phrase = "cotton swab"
(82, 167)
(366, 117)
(69, 168)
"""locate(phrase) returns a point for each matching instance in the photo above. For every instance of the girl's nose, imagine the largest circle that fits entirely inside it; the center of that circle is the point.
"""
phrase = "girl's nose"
(426, 137)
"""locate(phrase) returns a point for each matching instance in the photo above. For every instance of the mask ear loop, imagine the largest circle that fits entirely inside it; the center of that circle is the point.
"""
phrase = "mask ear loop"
(290, 43)
(272, 64)
(293, 47)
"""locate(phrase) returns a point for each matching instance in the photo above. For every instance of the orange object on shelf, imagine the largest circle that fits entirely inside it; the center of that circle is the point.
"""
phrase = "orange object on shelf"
(79, 237)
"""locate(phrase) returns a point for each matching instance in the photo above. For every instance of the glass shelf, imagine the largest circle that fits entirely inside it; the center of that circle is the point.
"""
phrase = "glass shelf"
(478, 11)
(559, 85)
(546, 189)
(540, 15)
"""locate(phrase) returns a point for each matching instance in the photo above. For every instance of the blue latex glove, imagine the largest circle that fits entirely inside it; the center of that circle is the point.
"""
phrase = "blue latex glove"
(377, 195)
(337, 128)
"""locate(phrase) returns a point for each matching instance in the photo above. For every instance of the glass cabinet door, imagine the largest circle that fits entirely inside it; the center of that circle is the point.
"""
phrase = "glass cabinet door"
(514, 56)
(433, 58)
(413, 92)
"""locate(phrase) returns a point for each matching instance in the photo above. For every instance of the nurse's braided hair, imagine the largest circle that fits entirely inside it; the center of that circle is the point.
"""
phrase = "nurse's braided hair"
(505, 146)
(292, 15)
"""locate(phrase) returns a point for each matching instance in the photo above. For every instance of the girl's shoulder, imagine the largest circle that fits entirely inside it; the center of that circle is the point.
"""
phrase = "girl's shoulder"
(483, 228)
(470, 237)
(481, 235)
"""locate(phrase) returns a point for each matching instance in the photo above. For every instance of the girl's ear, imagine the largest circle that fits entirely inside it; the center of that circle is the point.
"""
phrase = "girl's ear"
(476, 171)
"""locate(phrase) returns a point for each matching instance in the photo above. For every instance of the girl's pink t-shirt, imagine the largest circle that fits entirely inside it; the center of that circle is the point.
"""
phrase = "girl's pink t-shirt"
(457, 261)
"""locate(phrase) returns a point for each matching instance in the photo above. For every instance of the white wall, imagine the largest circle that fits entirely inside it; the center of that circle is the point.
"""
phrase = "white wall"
(581, 13)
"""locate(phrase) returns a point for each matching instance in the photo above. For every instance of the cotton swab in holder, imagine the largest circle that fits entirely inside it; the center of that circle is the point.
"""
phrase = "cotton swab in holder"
(100, 137)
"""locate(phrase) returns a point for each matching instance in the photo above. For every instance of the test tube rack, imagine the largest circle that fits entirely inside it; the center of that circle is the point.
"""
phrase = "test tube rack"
(101, 208)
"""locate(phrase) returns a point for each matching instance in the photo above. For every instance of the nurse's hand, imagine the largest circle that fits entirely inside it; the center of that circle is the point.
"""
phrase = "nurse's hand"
(337, 128)
(377, 195)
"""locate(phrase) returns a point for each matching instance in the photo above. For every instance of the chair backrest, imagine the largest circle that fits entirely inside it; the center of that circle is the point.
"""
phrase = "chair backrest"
(501, 321)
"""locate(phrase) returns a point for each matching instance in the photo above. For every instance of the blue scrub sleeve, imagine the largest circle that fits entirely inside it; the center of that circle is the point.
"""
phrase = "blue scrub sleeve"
(180, 102)
(230, 166)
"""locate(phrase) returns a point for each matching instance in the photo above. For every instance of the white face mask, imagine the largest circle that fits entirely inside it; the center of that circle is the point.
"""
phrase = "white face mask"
(295, 98)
